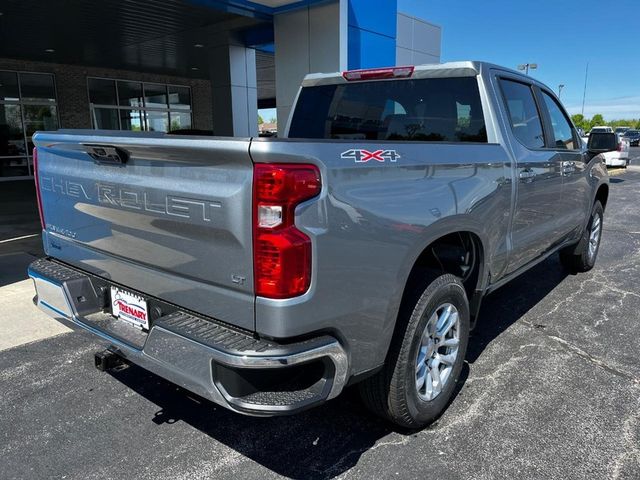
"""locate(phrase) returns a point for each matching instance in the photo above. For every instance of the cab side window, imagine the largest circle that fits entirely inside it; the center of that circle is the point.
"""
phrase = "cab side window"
(562, 130)
(523, 113)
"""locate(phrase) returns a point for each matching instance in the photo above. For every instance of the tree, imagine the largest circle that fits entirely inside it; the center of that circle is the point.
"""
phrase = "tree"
(580, 122)
(597, 119)
(623, 123)
(577, 118)
(260, 120)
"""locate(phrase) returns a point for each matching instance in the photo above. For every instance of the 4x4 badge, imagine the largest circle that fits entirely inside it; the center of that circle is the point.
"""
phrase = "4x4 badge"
(363, 156)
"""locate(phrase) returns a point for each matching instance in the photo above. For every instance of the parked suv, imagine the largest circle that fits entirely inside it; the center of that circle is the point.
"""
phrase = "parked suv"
(267, 274)
(633, 137)
(620, 131)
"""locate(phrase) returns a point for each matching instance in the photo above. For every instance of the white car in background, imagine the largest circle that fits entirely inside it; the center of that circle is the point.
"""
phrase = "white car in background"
(596, 129)
(619, 158)
(601, 129)
(615, 158)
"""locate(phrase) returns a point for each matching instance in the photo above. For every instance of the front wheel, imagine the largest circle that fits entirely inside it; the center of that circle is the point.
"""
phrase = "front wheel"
(583, 257)
(425, 358)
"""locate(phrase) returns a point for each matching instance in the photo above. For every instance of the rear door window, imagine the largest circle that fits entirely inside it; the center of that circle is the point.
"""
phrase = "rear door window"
(523, 113)
(562, 131)
(437, 110)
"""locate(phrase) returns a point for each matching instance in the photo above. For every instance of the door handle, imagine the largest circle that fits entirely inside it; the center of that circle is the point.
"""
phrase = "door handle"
(107, 154)
(527, 175)
(568, 168)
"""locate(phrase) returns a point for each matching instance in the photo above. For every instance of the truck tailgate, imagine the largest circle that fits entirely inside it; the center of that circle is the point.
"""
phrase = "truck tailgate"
(172, 221)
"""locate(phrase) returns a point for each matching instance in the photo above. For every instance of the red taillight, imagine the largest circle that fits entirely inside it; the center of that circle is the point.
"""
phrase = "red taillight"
(378, 73)
(619, 146)
(281, 252)
(37, 180)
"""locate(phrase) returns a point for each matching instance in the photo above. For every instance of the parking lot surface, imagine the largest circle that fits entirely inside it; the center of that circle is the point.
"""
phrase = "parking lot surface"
(551, 390)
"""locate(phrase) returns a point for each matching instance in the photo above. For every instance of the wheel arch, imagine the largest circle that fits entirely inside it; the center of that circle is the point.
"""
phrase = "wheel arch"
(424, 258)
(602, 195)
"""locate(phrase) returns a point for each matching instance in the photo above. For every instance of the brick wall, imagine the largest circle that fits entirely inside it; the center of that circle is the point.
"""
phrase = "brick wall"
(73, 101)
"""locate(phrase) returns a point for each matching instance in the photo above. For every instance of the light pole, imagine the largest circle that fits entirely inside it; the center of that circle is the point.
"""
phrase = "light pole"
(560, 87)
(527, 66)
(584, 94)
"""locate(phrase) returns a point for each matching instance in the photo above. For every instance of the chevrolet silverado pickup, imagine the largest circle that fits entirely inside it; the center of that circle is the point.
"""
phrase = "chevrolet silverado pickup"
(266, 275)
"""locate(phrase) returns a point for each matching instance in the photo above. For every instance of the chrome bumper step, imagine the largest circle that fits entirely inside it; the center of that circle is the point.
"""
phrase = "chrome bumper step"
(229, 366)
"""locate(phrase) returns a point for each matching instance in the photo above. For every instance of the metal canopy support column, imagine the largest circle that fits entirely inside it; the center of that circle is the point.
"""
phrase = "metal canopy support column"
(234, 90)
(310, 39)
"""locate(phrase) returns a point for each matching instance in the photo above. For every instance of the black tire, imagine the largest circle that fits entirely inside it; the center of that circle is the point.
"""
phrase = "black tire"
(392, 392)
(579, 258)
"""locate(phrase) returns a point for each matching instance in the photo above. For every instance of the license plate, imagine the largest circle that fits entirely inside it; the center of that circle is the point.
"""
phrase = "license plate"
(129, 307)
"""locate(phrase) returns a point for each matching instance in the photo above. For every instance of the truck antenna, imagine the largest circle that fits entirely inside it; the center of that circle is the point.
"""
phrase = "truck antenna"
(584, 94)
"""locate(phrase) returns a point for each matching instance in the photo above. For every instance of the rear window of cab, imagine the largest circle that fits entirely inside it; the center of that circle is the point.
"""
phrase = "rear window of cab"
(421, 110)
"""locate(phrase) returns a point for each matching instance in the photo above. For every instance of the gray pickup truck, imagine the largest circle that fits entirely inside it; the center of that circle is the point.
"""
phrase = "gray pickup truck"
(268, 274)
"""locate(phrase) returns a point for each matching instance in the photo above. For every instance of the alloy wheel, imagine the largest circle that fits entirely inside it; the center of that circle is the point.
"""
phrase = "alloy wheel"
(437, 352)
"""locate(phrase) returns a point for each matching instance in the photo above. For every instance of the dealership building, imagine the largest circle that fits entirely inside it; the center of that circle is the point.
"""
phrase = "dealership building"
(162, 65)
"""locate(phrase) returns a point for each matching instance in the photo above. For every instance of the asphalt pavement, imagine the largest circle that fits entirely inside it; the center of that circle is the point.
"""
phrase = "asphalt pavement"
(551, 390)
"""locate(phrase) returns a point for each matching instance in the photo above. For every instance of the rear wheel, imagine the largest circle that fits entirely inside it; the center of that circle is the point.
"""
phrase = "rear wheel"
(583, 258)
(425, 358)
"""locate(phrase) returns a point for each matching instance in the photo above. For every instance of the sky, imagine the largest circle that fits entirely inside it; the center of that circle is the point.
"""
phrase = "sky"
(561, 36)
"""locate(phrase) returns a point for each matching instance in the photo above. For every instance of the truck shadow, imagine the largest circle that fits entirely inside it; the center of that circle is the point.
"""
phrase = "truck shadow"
(320, 443)
(505, 306)
(326, 441)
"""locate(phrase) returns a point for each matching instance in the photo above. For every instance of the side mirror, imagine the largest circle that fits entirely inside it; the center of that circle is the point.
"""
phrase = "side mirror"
(602, 143)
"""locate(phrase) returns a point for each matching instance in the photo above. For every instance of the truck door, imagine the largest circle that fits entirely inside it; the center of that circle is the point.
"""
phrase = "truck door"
(576, 191)
(538, 176)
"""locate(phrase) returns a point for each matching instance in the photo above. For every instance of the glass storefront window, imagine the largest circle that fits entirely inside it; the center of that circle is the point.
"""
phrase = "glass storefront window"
(27, 105)
(39, 117)
(179, 97)
(37, 87)
(130, 94)
(137, 106)
(102, 92)
(180, 120)
(105, 118)
(132, 120)
(11, 131)
(155, 96)
(9, 86)
(157, 121)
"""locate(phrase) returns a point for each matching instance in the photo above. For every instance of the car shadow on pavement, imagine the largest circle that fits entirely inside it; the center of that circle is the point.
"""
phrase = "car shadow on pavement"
(319, 443)
(326, 441)
(505, 306)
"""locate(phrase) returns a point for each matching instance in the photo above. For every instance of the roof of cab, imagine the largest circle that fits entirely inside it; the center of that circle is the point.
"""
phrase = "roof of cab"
(432, 70)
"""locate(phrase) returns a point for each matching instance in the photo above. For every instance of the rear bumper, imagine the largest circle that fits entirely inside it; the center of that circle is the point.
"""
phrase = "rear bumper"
(225, 365)
(616, 161)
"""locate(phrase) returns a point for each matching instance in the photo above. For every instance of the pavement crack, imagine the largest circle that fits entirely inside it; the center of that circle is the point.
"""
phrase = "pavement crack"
(587, 356)
(337, 466)
(617, 230)
(567, 300)
(631, 448)
(608, 286)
